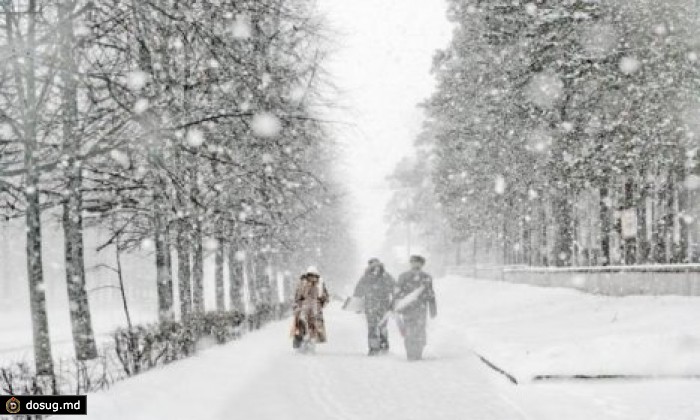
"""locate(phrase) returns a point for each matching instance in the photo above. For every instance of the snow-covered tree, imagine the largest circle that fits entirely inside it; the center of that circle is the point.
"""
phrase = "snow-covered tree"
(554, 120)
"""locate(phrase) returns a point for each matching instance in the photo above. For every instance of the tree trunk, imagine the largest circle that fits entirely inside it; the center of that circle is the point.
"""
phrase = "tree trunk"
(35, 274)
(564, 240)
(235, 280)
(605, 224)
(643, 247)
(79, 307)
(527, 241)
(219, 276)
(37, 287)
(250, 275)
(167, 243)
(665, 221)
(198, 272)
(680, 217)
(163, 269)
(262, 279)
(544, 240)
(183, 275)
(630, 243)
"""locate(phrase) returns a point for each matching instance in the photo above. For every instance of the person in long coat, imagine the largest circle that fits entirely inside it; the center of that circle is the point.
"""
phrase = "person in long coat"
(419, 286)
(376, 288)
(310, 297)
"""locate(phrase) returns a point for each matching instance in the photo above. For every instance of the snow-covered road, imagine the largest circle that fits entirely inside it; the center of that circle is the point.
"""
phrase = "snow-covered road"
(260, 377)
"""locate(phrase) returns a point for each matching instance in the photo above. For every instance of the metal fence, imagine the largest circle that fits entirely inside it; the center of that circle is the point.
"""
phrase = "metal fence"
(672, 279)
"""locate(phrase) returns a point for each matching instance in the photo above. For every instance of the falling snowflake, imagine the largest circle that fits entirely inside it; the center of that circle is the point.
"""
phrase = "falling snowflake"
(540, 140)
(545, 90)
(141, 106)
(660, 29)
(266, 124)
(241, 27)
(148, 244)
(265, 80)
(121, 158)
(297, 94)
(141, 171)
(599, 40)
(500, 185)
(629, 65)
(175, 43)
(81, 30)
(195, 137)
(136, 80)
(5, 131)
(531, 9)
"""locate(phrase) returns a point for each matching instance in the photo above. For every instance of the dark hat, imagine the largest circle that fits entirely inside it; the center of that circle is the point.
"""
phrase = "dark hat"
(373, 260)
(418, 259)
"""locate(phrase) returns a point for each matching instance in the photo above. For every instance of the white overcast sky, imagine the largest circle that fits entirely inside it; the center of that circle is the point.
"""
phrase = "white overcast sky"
(382, 69)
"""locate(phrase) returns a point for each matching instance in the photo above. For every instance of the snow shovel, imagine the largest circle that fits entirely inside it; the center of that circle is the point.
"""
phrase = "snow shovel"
(399, 306)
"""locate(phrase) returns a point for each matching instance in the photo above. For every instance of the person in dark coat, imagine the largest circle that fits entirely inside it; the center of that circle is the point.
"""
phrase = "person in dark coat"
(376, 288)
(414, 313)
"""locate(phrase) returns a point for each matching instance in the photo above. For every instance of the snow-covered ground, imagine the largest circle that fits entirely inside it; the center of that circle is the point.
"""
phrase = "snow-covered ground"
(532, 331)
(260, 377)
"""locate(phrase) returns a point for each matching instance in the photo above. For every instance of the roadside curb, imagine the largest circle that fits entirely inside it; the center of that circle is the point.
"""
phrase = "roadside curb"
(493, 366)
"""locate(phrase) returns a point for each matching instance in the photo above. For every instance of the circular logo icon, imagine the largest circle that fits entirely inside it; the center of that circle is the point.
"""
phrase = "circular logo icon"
(12, 405)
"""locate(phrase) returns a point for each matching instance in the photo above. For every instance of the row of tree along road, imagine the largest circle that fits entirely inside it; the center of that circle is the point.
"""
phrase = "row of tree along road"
(180, 128)
(563, 133)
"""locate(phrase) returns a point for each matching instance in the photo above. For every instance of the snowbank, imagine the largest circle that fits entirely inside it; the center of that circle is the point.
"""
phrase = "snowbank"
(534, 332)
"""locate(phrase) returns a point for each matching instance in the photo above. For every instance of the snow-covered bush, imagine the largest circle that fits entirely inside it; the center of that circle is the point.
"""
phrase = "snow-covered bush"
(18, 379)
(144, 347)
(223, 325)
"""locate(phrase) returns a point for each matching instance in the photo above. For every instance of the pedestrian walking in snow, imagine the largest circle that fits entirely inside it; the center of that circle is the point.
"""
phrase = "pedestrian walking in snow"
(310, 297)
(414, 300)
(376, 288)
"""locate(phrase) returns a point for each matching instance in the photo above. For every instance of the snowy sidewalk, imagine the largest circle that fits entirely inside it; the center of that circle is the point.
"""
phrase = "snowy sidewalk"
(260, 377)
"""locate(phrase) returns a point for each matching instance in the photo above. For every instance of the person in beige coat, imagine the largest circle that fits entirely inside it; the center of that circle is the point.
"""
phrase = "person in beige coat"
(309, 300)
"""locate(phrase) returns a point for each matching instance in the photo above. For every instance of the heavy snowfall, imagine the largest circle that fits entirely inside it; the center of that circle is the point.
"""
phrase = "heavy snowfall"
(406, 209)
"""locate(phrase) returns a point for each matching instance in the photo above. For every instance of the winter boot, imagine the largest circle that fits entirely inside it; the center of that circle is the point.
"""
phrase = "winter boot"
(296, 341)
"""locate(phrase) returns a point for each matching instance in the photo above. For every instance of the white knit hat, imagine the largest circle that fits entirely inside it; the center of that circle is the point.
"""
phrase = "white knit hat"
(313, 270)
